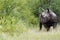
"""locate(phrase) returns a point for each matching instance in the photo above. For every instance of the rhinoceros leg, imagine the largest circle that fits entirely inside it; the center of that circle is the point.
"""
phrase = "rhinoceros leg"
(54, 25)
(40, 24)
(47, 27)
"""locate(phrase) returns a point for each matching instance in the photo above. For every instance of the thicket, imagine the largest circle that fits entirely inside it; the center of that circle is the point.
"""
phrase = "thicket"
(17, 15)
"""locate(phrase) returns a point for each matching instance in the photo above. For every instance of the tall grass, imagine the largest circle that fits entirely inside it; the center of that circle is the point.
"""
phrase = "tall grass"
(33, 34)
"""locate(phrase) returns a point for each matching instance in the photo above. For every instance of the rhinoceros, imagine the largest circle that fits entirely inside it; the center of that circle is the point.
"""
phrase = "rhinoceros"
(48, 18)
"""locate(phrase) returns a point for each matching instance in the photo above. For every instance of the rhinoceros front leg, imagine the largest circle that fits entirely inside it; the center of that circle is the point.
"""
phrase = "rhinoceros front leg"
(40, 25)
(47, 27)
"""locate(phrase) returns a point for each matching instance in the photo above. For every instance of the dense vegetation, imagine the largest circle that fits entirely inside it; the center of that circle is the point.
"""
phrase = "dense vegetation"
(18, 15)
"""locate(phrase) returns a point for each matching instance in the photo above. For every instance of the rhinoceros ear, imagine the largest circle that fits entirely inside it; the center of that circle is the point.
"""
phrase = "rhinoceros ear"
(48, 10)
(42, 9)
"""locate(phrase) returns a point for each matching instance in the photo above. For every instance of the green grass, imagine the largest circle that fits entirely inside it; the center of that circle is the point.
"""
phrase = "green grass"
(33, 34)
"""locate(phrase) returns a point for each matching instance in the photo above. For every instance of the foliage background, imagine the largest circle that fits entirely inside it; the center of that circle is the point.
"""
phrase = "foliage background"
(19, 15)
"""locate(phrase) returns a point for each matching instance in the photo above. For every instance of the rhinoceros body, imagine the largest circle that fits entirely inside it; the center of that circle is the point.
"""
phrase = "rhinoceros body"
(48, 19)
